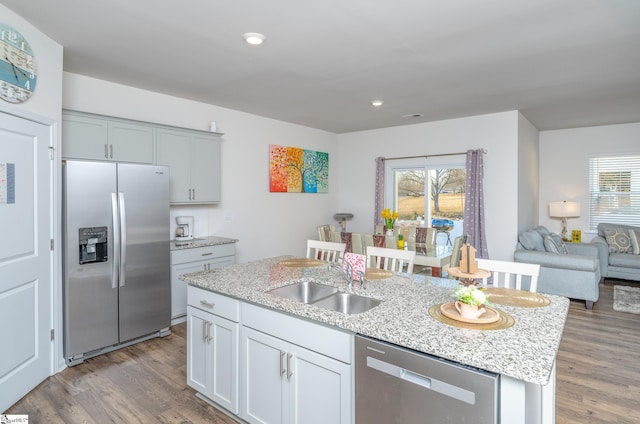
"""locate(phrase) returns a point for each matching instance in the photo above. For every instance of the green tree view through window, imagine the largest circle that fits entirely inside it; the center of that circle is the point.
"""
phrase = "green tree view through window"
(429, 193)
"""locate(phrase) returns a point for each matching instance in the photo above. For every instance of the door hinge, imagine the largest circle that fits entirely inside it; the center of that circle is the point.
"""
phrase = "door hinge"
(51, 152)
(53, 334)
(51, 245)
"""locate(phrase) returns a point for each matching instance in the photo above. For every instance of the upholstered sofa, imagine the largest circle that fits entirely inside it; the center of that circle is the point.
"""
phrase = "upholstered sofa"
(619, 251)
(566, 269)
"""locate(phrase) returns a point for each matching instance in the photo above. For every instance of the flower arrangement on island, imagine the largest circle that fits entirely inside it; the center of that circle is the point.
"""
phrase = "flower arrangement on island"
(471, 295)
(389, 218)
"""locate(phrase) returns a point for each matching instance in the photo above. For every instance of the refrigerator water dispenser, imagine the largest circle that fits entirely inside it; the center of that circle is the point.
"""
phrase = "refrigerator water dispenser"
(93, 245)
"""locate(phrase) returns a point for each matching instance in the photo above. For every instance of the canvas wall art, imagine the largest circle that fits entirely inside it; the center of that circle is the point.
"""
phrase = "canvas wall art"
(296, 170)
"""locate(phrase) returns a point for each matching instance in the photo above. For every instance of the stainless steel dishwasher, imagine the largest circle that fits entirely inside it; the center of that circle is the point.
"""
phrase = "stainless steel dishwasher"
(398, 385)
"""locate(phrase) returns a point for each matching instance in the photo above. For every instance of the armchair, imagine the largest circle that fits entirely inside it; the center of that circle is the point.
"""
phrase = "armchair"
(571, 270)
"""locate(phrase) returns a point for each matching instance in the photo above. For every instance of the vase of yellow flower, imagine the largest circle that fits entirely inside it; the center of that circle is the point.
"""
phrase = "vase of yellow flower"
(389, 219)
(470, 301)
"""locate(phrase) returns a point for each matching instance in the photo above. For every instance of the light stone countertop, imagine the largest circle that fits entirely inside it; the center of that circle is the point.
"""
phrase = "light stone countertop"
(526, 351)
(200, 242)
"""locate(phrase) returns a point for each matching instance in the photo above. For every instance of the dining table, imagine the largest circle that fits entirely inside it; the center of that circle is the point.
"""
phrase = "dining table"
(436, 257)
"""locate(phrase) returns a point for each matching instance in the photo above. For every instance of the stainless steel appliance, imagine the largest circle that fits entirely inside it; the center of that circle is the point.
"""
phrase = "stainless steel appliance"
(116, 267)
(398, 385)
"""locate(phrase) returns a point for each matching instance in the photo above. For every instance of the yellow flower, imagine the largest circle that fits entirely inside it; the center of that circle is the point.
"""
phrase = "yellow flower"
(389, 217)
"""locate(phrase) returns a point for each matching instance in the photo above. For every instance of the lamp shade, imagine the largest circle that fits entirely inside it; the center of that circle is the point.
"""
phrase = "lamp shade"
(564, 209)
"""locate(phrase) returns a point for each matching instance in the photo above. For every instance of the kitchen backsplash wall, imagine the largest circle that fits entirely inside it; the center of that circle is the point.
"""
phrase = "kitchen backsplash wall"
(200, 214)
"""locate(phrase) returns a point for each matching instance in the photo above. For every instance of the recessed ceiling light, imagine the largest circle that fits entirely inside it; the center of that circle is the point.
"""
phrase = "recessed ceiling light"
(254, 38)
(376, 103)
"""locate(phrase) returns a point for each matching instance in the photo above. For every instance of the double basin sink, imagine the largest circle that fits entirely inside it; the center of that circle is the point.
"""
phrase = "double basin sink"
(326, 297)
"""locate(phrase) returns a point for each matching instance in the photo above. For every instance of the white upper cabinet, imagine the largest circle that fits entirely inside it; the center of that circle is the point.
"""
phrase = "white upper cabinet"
(100, 138)
(194, 161)
(193, 157)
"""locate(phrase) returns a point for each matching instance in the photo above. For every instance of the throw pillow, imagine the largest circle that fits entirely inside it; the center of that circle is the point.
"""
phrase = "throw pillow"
(557, 239)
(531, 240)
(552, 245)
(634, 236)
(618, 240)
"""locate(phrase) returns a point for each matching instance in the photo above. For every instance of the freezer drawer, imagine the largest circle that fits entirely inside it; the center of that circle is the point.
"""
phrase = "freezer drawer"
(397, 385)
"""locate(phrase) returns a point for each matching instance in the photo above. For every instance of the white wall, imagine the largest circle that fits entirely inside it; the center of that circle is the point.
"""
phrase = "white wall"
(46, 99)
(44, 106)
(497, 133)
(564, 167)
(528, 175)
(267, 224)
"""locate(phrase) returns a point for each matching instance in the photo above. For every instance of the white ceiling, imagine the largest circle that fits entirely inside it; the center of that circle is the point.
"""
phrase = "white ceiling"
(563, 63)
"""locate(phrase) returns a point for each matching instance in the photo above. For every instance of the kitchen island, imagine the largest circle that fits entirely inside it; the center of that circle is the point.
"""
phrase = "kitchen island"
(523, 355)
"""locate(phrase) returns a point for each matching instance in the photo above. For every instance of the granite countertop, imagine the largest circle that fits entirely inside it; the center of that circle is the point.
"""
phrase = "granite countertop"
(200, 242)
(526, 351)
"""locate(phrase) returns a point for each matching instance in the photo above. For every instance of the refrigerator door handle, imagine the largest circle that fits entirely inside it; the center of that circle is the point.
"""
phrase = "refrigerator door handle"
(123, 238)
(115, 261)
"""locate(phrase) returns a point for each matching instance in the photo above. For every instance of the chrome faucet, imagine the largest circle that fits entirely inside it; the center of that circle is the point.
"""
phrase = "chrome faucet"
(360, 274)
(348, 273)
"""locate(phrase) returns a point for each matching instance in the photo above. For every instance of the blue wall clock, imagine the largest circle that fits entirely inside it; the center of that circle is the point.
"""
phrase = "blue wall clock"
(17, 66)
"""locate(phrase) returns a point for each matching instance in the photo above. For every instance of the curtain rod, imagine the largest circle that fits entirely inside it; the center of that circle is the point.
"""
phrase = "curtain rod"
(431, 156)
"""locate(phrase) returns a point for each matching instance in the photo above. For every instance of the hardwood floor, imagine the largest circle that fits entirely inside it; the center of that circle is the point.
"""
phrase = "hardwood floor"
(598, 378)
(598, 372)
(143, 383)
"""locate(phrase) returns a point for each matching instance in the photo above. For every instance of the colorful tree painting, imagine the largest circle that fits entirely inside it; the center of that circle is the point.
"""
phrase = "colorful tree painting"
(296, 170)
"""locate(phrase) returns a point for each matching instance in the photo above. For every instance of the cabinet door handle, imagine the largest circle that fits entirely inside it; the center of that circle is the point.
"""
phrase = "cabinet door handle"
(204, 330)
(282, 363)
(194, 194)
(289, 372)
(207, 254)
(111, 151)
(207, 304)
(106, 152)
(209, 338)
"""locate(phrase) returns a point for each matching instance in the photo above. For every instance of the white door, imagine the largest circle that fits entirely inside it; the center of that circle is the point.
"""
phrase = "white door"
(320, 389)
(198, 352)
(265, 367)
(25, 257)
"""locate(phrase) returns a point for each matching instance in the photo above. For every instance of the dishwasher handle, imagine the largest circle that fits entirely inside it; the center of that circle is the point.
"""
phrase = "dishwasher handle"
(424, 381)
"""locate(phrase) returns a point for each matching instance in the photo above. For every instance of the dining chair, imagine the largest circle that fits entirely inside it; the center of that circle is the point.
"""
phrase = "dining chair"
(325, 231)
(325, 250)
(390, 259)
(353, 241)
(510, 274)
(426, 236)
(378, 240)
(455, 252)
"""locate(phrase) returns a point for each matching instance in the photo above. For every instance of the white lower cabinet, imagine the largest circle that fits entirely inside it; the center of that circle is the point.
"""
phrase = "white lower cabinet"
(284, 382)
(184, 261)
(266, 366)
(212, 347)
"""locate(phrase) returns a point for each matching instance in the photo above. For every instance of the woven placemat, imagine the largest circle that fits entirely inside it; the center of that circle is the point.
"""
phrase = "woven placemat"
(505, 320)
(301, 262)
(377, 274)
(518, 298)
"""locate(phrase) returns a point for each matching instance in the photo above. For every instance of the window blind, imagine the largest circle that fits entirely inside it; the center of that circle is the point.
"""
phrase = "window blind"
(614, 190)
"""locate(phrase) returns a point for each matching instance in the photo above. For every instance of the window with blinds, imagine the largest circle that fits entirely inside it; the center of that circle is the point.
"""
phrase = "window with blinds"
(614, 190)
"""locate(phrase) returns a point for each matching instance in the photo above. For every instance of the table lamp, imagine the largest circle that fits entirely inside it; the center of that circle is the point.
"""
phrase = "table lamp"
(342, 220)
(564, 210)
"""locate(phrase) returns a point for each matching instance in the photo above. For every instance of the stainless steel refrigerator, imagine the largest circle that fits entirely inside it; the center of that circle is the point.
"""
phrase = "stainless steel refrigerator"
(116, 267)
